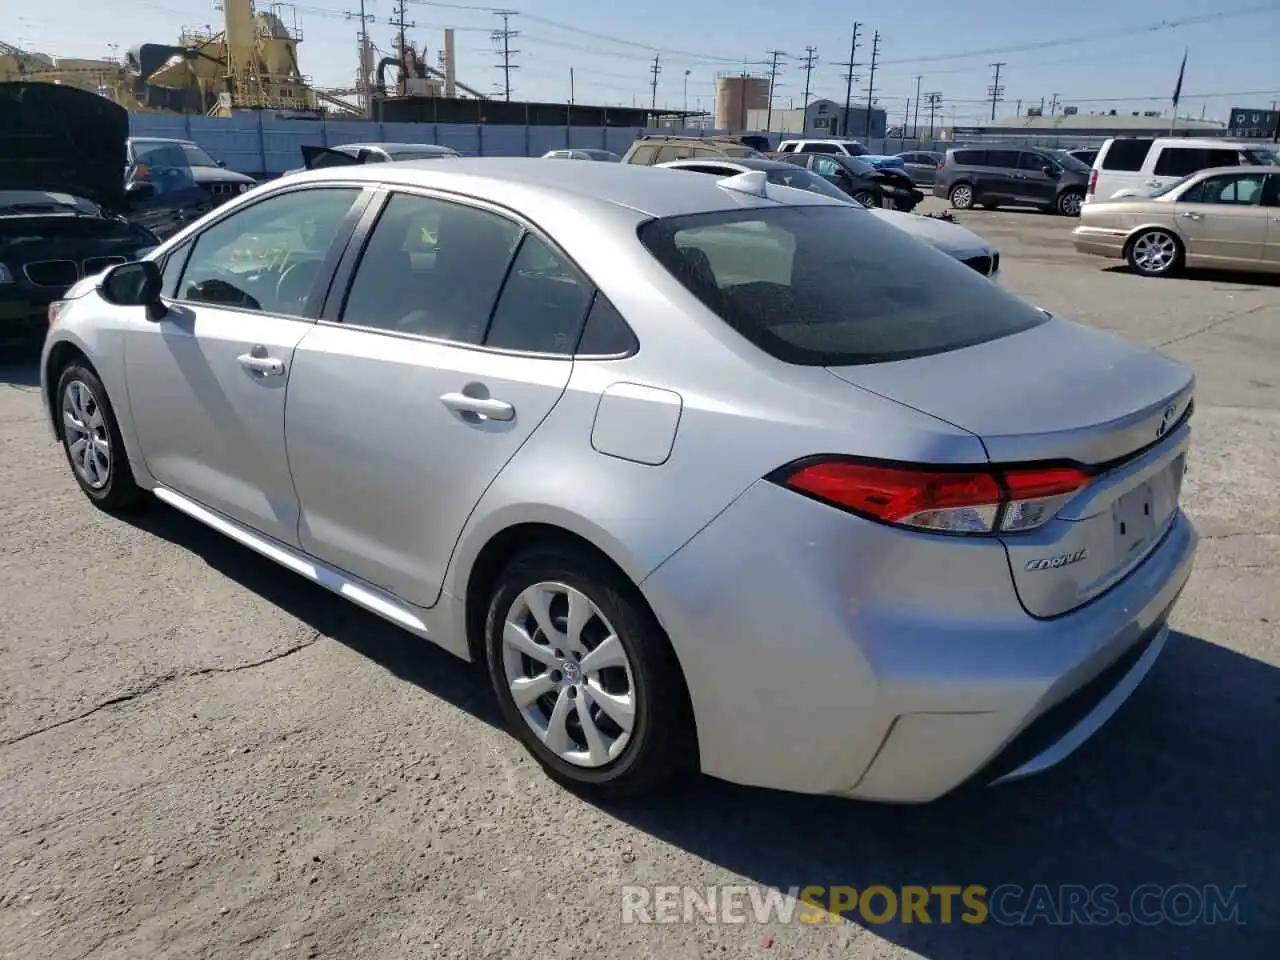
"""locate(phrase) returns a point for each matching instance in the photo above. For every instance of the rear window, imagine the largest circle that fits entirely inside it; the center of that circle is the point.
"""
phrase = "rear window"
(1126, 154)
(832, 285)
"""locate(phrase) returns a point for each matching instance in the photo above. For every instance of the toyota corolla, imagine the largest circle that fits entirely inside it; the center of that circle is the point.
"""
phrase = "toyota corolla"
(705, 480)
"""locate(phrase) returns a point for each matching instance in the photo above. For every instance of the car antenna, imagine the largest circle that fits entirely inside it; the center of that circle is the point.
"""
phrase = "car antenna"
(753, 182)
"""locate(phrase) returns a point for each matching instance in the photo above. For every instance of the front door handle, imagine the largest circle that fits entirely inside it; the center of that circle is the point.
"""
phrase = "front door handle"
(263, 366)
(1190, 215)
(485, 407)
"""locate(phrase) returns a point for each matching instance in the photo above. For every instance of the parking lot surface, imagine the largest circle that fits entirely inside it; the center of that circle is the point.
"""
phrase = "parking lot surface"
(205, 756)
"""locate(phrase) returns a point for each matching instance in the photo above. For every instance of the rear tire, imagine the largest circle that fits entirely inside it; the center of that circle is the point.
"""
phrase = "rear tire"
(1070, 202)
(91, 440)
(1155, 253)
(605, 654)
(961, 196)
(866, 198)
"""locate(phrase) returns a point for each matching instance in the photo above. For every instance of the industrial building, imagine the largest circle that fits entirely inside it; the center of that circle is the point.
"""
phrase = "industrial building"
(1110, 124)
(821, 119)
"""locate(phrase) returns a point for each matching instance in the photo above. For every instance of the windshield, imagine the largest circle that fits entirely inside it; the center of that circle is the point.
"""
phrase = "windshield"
(802, 179)
(855, 166)
(1262, 157)
(1069, 162)
(829, 285)
(197, 157)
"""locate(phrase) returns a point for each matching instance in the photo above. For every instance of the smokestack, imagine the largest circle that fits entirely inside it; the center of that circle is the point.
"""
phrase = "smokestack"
(450, 66)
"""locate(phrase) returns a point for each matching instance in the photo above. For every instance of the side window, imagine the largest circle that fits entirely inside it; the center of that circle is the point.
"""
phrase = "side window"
(267, 256)
(645, 154)
(821, 148)
(705, 152)
(787, 148)
(970, 158)
(542, 304)
(1179, 161)
(1271, 192)
(1126, 155)
(432, 268)
(1003, 158)
(606, 333)
(666, 154)
(1237, 190)
(1034, 162)
(825, 166)
(171, 272)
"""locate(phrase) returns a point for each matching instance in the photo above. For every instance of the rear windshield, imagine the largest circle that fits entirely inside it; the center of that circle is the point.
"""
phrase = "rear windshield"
(828, 285)
(1070, 162)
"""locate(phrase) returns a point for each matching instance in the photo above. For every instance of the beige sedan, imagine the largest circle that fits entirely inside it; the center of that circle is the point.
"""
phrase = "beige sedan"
(1225, 217)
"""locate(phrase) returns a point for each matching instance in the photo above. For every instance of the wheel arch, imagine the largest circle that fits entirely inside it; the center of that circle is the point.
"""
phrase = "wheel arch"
(60, 355)
(1138, 231)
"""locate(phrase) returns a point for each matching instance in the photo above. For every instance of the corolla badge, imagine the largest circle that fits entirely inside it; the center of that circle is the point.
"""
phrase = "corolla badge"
(1054, 563)
(1166, 420)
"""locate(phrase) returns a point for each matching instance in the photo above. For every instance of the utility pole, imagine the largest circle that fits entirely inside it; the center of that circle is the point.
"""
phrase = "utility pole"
(906, 117)
(571, 86)
(504, 37)
(773, 76)
(915, 124)
(655, 68)
(1053, 106)
(1018, 110)
(848, 77)
(808, 63)
(402, 86)
(871, 82)
(996, 91)
(362, 86)
(934, 99)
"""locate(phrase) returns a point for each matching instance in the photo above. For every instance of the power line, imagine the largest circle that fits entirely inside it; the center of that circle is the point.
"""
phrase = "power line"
(505, 36)
(773, 76)
(995, 91)
(871, 83)
(848, 77)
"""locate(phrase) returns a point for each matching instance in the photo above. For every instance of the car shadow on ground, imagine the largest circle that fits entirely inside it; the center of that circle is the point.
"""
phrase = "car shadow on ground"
(1254, 280)
(1181, 788)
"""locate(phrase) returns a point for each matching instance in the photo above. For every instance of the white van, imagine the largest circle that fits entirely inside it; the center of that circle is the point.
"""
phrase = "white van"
(1134, 166)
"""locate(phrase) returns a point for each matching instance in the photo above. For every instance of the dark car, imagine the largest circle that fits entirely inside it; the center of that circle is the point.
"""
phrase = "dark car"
(65, 212)
(870, 186)
(1012, 177)
(180, 165)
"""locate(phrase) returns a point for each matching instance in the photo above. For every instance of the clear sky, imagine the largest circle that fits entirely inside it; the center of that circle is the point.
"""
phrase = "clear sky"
(1122, 54)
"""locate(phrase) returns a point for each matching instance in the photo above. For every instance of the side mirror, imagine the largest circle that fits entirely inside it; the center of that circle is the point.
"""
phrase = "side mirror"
(137, 190)
(133, 284)
(1050, 171)
(221, 163)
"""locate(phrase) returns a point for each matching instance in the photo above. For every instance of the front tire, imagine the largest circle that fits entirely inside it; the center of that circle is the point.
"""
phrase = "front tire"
(91, 440)
(866, 198)
(1070, 202)
(1155, 253)
(961, 196)
(585, 677)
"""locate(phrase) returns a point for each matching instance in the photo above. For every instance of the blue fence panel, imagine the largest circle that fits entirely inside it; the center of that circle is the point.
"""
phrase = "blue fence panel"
(236, 141)
(619, 139)
(542, 139)
(592, 138)
(506, 141)
(463, 137)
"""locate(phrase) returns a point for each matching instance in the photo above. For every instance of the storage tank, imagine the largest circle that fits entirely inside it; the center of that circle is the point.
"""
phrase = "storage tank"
(735, 95)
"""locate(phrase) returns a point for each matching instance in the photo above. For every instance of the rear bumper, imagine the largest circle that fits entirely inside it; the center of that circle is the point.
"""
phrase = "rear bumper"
(1100, 241)
(828, 654)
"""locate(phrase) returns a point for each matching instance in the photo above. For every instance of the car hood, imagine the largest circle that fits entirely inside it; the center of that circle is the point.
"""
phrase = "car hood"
(948, 237)
(219, 175)
(62, 139)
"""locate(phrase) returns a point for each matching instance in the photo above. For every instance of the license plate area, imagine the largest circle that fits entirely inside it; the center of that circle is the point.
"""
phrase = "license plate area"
(1141, 514)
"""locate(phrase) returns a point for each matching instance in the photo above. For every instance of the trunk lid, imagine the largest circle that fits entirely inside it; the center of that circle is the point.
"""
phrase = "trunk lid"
(1063, 392)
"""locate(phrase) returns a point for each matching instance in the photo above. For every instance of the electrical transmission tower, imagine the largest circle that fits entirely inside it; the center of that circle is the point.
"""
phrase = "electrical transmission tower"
(871, 82)
(502, 40)
(774, 55)
(934, 98)
(995, 91)
(807, 64)
(850, 65)
(655, 69)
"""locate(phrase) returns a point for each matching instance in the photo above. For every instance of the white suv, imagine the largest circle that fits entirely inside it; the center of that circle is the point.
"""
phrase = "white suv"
(850, 148)
(1132, 166)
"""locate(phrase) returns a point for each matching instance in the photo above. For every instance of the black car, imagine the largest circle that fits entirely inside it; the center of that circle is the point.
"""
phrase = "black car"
(870, 186)
(65, 212)
(1013, 177)
(180, 165)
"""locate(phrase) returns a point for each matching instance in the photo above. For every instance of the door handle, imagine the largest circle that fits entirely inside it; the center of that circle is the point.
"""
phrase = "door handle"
(263, 366)
(485, 407)
(1155, 183)
(1190, 215)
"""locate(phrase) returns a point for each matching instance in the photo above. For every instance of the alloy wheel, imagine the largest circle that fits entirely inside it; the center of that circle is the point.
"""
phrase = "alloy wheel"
(1154, 252)
(865, 198)
(962, 197)
(87, 437)
(1069, 204)
(569, 674)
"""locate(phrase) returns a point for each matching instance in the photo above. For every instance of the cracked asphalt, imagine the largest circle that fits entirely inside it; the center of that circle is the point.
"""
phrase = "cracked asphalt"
(203, 756)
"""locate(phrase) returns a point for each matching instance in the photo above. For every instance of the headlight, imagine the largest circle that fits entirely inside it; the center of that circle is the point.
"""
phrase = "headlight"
(5, 275)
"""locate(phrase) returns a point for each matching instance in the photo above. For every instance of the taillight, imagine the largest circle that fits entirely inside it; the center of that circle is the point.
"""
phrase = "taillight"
(1093, 182)
(939, 499)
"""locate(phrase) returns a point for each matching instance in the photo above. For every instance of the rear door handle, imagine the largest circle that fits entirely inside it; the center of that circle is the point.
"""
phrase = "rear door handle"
(485, 407)
(263, 366)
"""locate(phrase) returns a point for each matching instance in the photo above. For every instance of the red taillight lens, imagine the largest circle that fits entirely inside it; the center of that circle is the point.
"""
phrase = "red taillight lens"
(947, 501)
(1093, 182)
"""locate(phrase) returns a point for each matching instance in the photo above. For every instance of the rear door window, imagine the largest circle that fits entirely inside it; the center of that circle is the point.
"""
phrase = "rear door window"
(1180, 161)
(1007, 159)
(821, 148)
(543, 303)
(831, 286)
(1238, 190)
(1126, 155)
(667, 154)
(970, 158)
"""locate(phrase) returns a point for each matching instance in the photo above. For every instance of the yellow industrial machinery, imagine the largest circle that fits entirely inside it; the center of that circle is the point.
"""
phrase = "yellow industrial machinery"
(108, 78)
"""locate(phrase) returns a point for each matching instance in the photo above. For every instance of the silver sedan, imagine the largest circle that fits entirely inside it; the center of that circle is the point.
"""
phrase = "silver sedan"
(705, 480)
